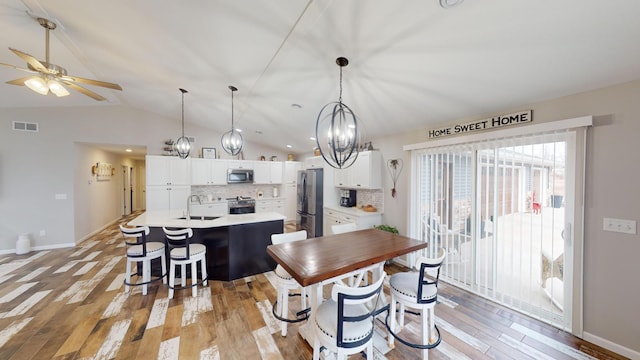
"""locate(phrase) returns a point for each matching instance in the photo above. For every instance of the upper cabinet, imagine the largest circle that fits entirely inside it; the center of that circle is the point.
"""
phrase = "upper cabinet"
(208, 171)
(240, 164)
(267, 172)
(316, 162)
(291, 171)
(365, 173)
(167, 170)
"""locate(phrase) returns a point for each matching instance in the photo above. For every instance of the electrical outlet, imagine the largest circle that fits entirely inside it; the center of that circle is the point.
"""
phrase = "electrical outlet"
(619, 225)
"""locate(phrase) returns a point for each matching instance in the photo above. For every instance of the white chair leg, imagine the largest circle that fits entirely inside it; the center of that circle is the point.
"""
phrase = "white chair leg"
(194, 279)
(392, 322)
(203, 264)
(401, 316)
(426, 332)
(127, 276)
(316, 349)
(164, 268)
(146, 275)
(285, 310)
(172, 279)
(183, 275)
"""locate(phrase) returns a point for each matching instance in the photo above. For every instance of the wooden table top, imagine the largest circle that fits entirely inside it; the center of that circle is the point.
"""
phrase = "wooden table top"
(316, 259)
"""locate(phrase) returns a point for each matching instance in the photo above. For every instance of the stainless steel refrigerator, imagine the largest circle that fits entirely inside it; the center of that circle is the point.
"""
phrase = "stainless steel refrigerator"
(309, 202)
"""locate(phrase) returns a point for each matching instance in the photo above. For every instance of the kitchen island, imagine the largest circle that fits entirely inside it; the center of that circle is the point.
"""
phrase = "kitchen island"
(236, 244)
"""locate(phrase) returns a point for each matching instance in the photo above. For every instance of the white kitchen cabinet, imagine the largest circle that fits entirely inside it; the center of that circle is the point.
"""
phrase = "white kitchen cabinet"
(210, 209)
(267, 172)
(167, 170)
(167, 197)
(290, 175)
(273, 204)
(208, 171)
(240, 164)
(362, 219)
(365, 173)
(315, 162)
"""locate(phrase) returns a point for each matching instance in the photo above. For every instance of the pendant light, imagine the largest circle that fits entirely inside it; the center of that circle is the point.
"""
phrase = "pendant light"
(232, 139)
(337, 133)
(182, 146)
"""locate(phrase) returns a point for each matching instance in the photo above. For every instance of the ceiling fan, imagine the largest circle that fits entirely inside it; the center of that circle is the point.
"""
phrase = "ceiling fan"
(50, 77)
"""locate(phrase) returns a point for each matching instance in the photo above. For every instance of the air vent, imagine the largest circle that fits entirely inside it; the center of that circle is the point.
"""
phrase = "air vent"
(25, 126)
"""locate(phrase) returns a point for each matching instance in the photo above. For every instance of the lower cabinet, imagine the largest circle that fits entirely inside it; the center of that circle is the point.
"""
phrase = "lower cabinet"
(362, 219)
(167, 197)
(274, 205)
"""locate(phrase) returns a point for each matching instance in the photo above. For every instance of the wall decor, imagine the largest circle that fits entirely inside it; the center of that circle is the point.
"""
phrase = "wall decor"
(495, 122)
(209, 153)
(103, 171)
(395, 168)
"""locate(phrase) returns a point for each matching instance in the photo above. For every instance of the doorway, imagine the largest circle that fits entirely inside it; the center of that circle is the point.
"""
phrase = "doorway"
(502, 212)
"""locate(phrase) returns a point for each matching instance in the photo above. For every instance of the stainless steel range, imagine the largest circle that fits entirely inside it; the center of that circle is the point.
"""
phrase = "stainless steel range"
(241, 205)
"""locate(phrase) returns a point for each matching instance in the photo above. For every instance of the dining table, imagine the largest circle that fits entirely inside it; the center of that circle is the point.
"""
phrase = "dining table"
(322, 260)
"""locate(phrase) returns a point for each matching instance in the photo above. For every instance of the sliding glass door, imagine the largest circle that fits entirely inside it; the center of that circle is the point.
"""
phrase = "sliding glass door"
(500, 210)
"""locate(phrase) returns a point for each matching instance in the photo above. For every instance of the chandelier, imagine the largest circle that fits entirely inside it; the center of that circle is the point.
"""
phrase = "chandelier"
(232, 139)
(182, 146)
(337, 134)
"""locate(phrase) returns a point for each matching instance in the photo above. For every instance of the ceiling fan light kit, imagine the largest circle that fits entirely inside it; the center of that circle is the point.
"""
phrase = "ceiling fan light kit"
(182, 145)
(232, 140)
(337, 133)
(51, 77)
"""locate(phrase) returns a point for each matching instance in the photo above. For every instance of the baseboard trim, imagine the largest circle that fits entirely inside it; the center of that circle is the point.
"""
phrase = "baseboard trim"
(79, 241)
(619, 349)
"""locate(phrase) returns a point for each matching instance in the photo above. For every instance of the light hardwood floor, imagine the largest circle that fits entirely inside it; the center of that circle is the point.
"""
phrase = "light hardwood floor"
(70, 304)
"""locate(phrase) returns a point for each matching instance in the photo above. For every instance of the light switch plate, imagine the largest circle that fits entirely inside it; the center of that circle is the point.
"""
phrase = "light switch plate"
(619, 225)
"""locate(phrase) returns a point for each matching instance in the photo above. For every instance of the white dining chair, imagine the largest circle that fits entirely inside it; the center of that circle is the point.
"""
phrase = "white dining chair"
(182, 253)
(286, 283)
(416, 290)
(344, 324)
(343, 228)
(346, 228)
(139, 250)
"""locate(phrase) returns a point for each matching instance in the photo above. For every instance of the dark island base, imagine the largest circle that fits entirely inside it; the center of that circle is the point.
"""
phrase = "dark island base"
(233, 252)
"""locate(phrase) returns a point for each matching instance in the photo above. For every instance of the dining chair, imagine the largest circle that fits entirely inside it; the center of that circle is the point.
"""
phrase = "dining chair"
(139, 250)
(344, 324)
(181, 253)
(286, 283)
(417, 290)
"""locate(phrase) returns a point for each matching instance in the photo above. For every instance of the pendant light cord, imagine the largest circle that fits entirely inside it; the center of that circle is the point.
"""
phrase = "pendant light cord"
(340, 97)
(182, 91)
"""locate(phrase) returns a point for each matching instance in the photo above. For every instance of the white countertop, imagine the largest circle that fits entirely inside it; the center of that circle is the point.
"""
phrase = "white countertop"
(353, 211)
(171, 219)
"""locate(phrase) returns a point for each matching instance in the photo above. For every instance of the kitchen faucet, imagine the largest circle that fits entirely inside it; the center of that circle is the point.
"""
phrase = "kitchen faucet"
(189, 204)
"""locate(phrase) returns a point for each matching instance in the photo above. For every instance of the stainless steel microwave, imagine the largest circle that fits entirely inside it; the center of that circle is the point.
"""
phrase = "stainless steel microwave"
(239, 176)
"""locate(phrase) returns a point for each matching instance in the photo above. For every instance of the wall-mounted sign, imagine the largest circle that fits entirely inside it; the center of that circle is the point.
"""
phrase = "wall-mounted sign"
(492, 123)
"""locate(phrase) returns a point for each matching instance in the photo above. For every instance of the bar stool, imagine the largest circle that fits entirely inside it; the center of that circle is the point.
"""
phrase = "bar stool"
(417, 291)
(182, 252)
(286, 283)
(345, 228)
(139, 250)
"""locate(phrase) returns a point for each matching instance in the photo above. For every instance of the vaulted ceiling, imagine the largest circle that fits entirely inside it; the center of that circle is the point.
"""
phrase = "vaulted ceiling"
(412, 63)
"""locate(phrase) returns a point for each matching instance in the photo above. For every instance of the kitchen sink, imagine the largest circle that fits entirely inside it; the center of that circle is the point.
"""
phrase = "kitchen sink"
(199, 217)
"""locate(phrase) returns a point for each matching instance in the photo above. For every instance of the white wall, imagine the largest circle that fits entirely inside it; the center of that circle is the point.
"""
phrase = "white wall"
(611, 270)
(34, 167)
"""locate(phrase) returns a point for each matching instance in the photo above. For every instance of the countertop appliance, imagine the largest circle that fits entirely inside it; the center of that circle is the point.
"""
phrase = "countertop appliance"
(239, 176)
(241, 205)
(309, 202)
(347, 198)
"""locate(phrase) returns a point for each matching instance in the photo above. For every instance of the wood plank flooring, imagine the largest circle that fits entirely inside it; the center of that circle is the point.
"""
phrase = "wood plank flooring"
(70, 304)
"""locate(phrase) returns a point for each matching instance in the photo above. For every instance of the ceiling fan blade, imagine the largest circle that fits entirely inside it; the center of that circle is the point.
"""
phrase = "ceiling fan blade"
(19, 68)
(31, 61)
(85, 91)
(20, 81)
(91, 82)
